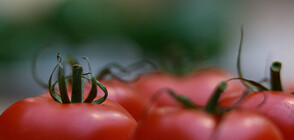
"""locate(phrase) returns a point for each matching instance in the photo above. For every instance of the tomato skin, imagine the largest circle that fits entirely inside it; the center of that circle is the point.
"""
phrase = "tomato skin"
(198, 86)
(128, 97)
(42, 118)
(186, 124)
(169, 123)
(242, 125)
(277, 106)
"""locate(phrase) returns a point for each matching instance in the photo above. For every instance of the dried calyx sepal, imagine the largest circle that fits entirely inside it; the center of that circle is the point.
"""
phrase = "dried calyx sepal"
(275, 73)
(108, 70)
(275, 77)
(78, 83)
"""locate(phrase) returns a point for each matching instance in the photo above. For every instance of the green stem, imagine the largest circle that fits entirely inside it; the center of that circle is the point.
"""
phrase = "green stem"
(77, 95)
(77, 85)
(276, 83)
(213, 102)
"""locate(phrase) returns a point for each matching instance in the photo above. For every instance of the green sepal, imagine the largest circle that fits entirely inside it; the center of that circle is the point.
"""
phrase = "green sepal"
(62, 85)
(184, 100)
(213, 101)
(52, 91)
(93, 92)
(256, 85)
(102, 99)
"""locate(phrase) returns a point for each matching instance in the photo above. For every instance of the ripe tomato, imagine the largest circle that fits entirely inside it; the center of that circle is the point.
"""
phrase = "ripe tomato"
(63, 118)
(190, 123)
(128, 97)
(197, 86)
(277, 106)
(43, 118)
(175, 123)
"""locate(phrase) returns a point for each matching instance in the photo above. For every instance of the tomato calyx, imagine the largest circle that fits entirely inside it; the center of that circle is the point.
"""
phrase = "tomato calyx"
(275, 73)
(275, 80)
(212, 106)
(128, 71)
(78, 83)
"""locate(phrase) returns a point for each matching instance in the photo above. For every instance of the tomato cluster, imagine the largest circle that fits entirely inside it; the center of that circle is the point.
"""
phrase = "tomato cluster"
(208, 104)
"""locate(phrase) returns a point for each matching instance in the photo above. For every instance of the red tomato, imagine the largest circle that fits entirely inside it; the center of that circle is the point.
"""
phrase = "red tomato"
(197, 86)
(289, 87)
(128, 97)
(277, 106)
(186, 124)
(43, 118)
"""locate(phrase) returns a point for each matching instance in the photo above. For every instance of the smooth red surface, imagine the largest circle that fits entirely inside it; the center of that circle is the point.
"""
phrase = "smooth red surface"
(277, 106)
(41, 118)
(184, 124)
(128, 97)
(198, 86)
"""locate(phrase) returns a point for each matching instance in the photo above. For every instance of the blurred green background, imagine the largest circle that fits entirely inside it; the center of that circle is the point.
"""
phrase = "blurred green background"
(176, 35)
(179, 36)
(184, 32)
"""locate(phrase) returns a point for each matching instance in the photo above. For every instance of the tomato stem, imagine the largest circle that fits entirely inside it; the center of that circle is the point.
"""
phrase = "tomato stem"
(77, 95)
(213, 102)
(276, 83)
(78, 83)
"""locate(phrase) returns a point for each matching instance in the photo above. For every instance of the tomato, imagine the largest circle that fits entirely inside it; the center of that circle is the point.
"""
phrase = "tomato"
(198, 86)
(174, 123)
(214, 122)
(63, 118)
(128, 97)
(43, 118)
(277, 106)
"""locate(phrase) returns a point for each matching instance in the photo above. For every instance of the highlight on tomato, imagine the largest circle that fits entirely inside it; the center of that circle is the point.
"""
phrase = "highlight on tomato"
(128, 97)
(60, 117)
(211, 123)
